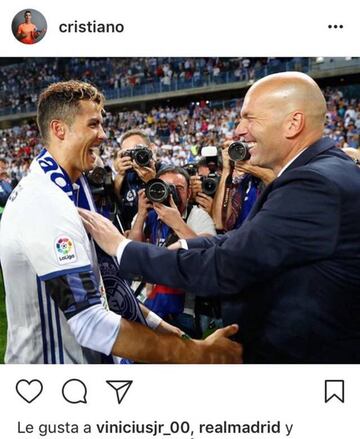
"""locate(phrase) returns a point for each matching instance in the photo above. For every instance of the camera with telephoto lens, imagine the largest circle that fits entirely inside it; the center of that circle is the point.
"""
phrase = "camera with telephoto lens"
(239, 151)
(140, 154)
(158, 191)
(210, 183)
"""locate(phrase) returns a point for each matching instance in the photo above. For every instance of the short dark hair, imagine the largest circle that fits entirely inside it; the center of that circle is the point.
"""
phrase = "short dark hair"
(174, 170)
(202, 162)
(135, 132)
(61, 101)
(27, 12)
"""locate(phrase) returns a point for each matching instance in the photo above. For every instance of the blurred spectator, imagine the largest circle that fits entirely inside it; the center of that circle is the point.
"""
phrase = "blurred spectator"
(354, 154)
(5, 185)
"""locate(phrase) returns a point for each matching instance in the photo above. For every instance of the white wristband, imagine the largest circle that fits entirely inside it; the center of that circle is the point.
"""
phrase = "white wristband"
(153, 320)
(183, 244)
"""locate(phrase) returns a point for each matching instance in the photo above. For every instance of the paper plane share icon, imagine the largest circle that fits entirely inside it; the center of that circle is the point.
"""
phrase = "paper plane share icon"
(120, 387)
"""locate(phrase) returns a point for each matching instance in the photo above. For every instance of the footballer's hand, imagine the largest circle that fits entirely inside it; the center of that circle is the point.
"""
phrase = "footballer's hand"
(102, 230)
(217, 348)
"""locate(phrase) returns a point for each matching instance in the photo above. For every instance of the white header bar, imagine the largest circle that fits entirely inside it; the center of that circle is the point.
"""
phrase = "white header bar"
(188, 28)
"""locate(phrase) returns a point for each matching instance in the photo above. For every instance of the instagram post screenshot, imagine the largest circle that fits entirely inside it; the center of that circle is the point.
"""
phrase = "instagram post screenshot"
(179, 220)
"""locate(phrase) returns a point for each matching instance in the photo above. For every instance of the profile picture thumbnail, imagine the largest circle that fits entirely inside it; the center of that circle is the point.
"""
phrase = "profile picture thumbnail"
(29, 26)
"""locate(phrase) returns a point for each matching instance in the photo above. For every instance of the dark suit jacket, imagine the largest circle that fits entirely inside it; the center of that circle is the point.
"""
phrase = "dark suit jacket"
(290, 276)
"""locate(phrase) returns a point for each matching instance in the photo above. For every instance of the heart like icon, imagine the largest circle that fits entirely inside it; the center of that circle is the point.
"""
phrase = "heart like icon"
(29, 390)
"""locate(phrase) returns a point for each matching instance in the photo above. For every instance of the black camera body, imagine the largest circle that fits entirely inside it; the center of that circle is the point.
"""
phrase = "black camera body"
(101, 185)
(140, 155)
(191, 169)
(210, 184)
(239, 151)
(158, 191)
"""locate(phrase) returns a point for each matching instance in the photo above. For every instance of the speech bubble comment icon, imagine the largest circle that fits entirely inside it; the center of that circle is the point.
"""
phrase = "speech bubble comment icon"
(74, 391)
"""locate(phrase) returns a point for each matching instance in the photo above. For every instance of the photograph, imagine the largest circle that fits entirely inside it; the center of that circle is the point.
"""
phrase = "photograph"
(183, 210)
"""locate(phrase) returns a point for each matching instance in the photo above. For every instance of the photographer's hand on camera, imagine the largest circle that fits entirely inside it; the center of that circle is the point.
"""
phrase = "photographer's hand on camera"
(143, 204)
(225, 156)
(264, 174)
(195, 185)
(204, 201)
(137, 230)
(121, 165)
(172, 218)
(145, 173)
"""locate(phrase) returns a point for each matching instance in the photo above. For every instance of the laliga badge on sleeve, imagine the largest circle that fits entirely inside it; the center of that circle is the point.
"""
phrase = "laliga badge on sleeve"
(65, 250)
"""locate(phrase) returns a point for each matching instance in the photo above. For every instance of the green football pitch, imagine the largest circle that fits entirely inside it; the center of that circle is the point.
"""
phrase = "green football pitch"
(2, 320)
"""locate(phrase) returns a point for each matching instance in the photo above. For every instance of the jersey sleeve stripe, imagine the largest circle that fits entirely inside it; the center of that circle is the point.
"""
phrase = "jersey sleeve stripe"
(74, 292)
(51, 329)
(60, 343)
(42, 320)
(54, 274)
(77, 288)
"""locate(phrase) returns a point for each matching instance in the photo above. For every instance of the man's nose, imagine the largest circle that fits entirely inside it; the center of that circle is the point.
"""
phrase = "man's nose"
(241, 129)
(102, 135)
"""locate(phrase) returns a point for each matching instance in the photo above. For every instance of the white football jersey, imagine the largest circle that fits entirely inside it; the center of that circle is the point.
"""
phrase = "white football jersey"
(41, 238)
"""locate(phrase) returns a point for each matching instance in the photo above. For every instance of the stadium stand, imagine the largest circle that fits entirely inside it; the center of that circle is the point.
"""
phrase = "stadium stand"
(179, 131)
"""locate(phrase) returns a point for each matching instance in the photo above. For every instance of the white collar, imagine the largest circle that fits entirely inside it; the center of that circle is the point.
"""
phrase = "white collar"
(289, 163)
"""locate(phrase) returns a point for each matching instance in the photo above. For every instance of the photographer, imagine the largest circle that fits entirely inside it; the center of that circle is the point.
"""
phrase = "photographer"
(240, 185)
(134, 166)
(173, 218)
(199, 172)
(207, 309)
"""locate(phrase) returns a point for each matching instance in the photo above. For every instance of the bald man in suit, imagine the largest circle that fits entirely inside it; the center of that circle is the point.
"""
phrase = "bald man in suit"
(290, 275)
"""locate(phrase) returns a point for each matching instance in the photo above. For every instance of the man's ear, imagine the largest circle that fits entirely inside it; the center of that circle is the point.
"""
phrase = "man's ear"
(58, 129)
(294, 124)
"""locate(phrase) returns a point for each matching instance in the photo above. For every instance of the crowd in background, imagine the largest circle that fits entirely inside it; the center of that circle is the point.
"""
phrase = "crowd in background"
(178, 132)
(21, 83)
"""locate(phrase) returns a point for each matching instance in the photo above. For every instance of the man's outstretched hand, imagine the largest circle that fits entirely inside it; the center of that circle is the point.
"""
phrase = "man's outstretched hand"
(102, 230)
(220, 349)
